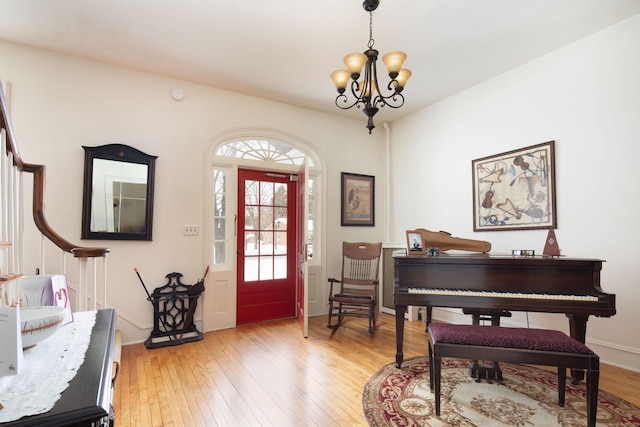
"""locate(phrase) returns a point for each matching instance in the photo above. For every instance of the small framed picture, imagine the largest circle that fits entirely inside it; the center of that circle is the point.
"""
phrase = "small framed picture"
(357, 199)
(415, 244)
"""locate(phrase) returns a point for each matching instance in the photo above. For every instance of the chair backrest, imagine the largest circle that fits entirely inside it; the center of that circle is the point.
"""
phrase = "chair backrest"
(360, 266)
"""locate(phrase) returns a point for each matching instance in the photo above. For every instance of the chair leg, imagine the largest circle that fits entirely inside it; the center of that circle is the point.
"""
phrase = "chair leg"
(340, 314)
(372, 319)
(333, 307)
(330, 315)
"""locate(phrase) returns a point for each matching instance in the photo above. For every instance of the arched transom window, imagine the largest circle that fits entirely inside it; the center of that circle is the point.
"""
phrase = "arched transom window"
(262, 150)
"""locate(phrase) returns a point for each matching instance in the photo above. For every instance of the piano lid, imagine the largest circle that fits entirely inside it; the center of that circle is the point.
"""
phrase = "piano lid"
(463, 257)
(532, 274)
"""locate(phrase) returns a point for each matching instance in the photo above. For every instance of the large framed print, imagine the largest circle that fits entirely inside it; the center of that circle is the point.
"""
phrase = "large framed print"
(357, 204)
(515, 190)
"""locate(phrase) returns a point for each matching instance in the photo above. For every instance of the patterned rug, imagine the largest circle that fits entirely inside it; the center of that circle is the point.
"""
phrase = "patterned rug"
(527, 397)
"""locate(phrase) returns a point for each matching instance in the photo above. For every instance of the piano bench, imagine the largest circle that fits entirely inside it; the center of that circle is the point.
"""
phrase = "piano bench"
(477, 369)
(515, 345)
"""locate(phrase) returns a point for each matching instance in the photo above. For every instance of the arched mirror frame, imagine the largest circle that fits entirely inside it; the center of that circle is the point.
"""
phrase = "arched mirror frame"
(118, 153)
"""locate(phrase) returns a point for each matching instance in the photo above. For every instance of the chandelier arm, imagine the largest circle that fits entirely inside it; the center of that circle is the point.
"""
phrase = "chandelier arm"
(382, 101)
(355, 91)
(344, 99)
(393, 86)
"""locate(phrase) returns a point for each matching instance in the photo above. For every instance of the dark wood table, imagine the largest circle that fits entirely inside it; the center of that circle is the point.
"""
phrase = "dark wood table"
(87, 400)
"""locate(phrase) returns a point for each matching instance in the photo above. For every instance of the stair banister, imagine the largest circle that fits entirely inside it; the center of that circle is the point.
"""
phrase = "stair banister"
(12, 217)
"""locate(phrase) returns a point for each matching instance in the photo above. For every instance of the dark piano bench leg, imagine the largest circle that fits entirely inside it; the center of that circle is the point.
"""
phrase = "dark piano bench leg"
(462, 341)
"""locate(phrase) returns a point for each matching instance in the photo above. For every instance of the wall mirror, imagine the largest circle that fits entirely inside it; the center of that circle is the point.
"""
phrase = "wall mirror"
(117, 203)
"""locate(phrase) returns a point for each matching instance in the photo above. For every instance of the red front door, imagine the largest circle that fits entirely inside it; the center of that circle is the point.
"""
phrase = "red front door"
(266, 246)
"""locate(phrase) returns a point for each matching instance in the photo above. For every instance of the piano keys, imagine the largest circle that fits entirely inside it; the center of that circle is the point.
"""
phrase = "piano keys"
(504, 294)
(538, 284)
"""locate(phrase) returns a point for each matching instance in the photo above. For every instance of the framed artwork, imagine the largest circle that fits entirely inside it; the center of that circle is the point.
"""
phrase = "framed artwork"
(415, 244)
(357, 204)
(515, 190)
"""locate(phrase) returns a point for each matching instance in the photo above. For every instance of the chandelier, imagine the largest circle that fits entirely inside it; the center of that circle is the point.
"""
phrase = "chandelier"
(367, 92)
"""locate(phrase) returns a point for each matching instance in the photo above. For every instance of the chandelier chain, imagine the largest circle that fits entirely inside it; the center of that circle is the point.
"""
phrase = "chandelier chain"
(371, 41)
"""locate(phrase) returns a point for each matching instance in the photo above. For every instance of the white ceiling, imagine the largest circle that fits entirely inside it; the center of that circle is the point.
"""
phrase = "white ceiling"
(285, 49)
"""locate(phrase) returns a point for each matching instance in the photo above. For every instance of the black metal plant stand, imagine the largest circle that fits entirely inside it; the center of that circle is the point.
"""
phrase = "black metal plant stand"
(174, 305)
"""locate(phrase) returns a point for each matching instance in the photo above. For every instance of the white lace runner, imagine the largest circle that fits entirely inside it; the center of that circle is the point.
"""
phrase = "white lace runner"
(48, 368)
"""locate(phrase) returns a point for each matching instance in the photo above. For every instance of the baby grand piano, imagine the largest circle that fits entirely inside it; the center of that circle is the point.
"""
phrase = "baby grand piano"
(542, 284)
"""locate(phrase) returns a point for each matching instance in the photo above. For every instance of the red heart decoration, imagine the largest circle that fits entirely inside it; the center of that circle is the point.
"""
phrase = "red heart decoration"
(61, 295)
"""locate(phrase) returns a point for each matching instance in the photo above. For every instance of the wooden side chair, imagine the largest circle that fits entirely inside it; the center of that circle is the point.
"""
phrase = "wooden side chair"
(356, 292)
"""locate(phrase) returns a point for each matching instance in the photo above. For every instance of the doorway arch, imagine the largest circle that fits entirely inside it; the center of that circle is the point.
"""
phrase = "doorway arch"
(259, 149)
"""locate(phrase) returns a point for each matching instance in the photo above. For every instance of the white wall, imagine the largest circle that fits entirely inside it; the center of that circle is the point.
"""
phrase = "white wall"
(586, 97)
(60, 103)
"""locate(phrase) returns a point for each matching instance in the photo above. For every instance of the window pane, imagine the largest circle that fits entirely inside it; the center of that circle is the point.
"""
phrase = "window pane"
(280, 267)
(280, 244)
(310, 222)
(220, 205)
(251, 243)
(266, 193)
(218, 229)
(280, 218)
(266, 268)
(266, 218)
(251, 193)
(251, 218)
(219, 181)
(251, 269)
(280, 194)
(218, 253)
(266, 248)
(219, 216)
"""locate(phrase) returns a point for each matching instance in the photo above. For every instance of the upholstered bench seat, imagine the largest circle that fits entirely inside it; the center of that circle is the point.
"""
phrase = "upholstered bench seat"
(515, 345)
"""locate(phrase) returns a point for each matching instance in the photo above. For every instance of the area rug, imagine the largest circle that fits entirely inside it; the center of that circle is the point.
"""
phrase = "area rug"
(527, 396)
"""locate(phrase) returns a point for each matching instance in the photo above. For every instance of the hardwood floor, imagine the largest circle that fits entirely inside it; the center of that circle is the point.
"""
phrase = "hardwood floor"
(267, 375)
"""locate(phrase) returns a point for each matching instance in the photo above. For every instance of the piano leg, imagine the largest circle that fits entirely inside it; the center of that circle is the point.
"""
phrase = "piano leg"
(578, 331)
(479, 370)
(400, 310)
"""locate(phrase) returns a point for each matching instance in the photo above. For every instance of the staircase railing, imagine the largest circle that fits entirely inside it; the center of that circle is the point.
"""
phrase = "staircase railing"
(12, 233)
